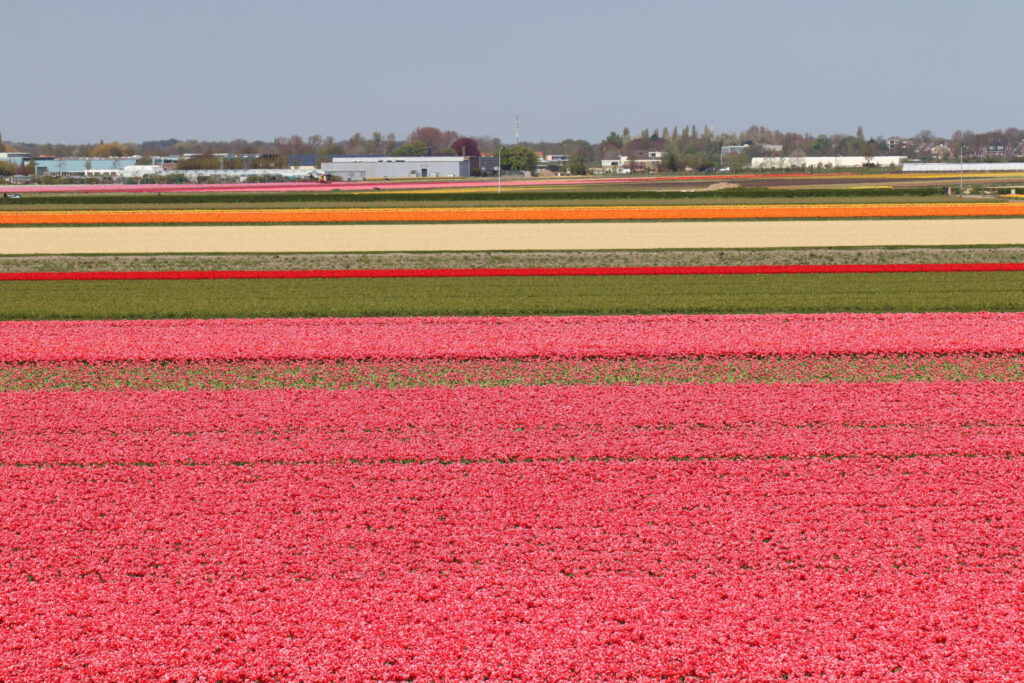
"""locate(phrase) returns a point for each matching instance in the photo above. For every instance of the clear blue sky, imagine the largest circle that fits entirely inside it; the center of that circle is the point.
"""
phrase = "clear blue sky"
(133, 70)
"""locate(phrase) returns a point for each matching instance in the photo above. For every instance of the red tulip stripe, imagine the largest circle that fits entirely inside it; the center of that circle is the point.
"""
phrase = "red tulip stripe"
(499, 424)
(742, 569)
(513, 337)
(582, 498)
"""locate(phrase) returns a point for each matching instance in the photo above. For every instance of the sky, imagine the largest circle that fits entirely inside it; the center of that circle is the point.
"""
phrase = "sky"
(79, 71)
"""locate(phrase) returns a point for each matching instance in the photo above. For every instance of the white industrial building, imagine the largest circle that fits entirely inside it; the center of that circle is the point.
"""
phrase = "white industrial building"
(823, 162)
(972, 167)
(362, 168)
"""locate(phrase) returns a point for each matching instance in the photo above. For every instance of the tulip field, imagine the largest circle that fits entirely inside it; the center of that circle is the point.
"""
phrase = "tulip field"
(293, 438)
(509, 214)
(649, 497)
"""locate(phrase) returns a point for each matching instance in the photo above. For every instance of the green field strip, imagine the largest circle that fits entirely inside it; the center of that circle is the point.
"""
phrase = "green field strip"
(630, 294)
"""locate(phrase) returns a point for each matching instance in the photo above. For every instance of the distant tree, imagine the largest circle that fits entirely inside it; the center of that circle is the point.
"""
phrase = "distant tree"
(7, 168)
(670, 161)
(870, 151)
(432, 137)
(291, 145)
(466, 147)
(412, 149)
(860, 133)
(377, 142)
(578, 164)
(111, 149)
(850, 146)
(821, 146)
(613, 138)
(518, 158)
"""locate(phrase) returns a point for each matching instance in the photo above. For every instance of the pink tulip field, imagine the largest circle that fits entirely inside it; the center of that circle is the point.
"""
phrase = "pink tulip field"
(580, 498)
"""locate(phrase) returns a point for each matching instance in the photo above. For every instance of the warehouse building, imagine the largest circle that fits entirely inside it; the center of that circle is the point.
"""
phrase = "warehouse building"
(363, 168)
(86, 167)
(759, 163)
(970, 167)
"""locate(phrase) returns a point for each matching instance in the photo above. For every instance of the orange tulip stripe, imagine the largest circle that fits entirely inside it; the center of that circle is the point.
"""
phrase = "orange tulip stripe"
(513, 214)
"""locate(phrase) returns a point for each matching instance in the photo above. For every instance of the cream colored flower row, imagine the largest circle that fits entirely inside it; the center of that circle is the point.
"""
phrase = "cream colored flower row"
(509, 236)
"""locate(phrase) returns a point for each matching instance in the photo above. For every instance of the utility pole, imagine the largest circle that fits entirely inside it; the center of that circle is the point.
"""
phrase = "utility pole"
(499, 168)
(517, 130)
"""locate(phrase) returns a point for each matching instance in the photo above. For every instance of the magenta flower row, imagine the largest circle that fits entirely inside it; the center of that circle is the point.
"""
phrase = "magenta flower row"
(745, 569)
(516, 337)
(513, 423)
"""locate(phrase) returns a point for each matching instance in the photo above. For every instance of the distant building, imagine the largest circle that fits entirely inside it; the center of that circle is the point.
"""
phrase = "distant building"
(824, 162)
(302, 160)
(84, 167)
(366, 167)
(955, 167)
(141, 170)
(616, 164)
(16, 158)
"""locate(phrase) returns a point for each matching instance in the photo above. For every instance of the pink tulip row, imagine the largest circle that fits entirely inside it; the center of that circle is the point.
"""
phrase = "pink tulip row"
(575, 571)
(364, 374)
(572, 337)
(513, 423)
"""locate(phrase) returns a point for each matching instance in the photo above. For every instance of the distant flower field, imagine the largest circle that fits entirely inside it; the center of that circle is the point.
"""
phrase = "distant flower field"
(511, 214)
(617, 497)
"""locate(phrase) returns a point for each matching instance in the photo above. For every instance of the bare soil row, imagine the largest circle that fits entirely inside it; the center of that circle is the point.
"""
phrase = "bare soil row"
(510, 259)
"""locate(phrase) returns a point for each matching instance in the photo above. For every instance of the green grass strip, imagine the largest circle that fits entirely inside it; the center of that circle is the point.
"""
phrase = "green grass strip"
(878, 292)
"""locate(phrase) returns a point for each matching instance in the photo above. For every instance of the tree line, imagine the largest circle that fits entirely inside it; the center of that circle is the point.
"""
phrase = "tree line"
(680, 147)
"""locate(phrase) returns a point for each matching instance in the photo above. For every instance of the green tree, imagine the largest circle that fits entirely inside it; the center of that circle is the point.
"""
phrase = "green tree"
(821, 146)
(578, 164)
(6, 168)
(518, 158)
(850, 146)
(613, 139)
(670, 161)
(411, 149)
